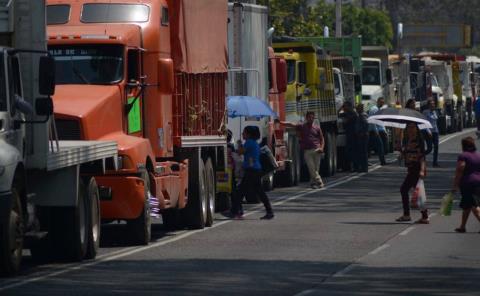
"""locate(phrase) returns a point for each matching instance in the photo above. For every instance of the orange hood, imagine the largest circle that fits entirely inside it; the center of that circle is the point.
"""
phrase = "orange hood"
(97, 107)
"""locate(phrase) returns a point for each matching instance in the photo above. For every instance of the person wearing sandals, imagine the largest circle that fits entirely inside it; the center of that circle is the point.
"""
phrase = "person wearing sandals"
(251, 182)
(414, 155)
(467, 179)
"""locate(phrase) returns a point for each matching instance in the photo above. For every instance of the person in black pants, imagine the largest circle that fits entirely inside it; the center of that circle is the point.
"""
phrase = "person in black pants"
(414, 155)
(251, 181)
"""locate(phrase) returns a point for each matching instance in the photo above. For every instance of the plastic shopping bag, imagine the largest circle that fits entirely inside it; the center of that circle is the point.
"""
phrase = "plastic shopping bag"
(447, 204)
(419, 197)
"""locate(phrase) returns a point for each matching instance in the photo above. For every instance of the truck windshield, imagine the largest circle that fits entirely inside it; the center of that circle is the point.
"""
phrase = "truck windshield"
(370, 73)
(291, 70)
(88, 64)
(114, 13)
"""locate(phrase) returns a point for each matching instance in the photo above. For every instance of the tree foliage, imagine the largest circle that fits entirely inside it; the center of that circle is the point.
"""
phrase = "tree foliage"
(297, 18)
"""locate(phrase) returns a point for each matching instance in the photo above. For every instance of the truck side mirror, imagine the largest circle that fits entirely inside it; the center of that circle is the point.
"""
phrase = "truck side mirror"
(357, 80)
(282, 75)
(133, 69)
(46, 78)
(165, 76)
(389, 76)
(44, 106)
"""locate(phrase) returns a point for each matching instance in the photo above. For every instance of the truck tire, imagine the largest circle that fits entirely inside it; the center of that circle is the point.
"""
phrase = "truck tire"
(195, 213)
(94, 227)
(267, 182)
(69, 228)
(289, 176)
(327, 167)
(11, 235)
(141, 227)
(211, 192)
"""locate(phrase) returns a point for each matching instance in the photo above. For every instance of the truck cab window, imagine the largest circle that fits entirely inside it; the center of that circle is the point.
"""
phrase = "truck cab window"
(336, 80)
(88, 64)
(290, 71)
(371, 73)
(302, 72)
(14, 82)
(58, 14)
(3, 86)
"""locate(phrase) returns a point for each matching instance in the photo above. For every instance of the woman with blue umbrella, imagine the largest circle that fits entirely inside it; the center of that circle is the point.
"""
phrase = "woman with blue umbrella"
(238, 106)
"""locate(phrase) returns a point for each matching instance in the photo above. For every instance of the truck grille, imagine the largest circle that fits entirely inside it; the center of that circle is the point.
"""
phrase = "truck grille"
(68, 129)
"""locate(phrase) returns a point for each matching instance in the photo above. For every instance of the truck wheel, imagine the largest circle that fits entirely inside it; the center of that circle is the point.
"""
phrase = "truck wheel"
(94, 226)
(327, 164)
(69, 228)
(211, 192)
(11, 236)
(196, 209)
(267, 182)
(141, 227)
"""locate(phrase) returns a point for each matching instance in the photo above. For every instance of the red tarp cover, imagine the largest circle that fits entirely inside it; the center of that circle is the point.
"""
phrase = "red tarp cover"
(199, 35)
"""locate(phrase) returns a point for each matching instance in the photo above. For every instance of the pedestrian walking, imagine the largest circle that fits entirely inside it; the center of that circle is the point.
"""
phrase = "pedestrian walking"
(375, 141)
(414, 155)
(312, 143)
(349, 117)
(251, 182)
(432, 134)
(381, 129)
(467, 179)
(477, 115)
(361, 132)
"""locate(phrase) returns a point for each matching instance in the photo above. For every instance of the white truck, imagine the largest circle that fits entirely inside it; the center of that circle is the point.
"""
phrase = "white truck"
(248, 66)
(376, 76)
(49, 200)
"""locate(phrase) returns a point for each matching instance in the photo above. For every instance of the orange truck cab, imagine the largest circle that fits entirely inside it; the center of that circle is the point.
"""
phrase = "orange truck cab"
(131, 71)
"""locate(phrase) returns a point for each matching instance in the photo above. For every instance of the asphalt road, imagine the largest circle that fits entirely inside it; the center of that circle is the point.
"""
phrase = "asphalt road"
(339, 240)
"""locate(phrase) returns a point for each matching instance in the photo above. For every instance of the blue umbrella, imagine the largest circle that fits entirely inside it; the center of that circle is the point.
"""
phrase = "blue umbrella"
(248, 106)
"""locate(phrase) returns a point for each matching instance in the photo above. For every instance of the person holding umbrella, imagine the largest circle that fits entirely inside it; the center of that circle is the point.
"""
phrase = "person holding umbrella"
(414, 155)
(413, 151)
(252, 179)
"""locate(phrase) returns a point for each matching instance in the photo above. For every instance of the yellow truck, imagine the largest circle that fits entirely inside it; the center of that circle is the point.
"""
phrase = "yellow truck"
(310, 77)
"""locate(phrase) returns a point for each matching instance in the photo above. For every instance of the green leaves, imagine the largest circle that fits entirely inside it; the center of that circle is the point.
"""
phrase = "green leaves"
(296, 18)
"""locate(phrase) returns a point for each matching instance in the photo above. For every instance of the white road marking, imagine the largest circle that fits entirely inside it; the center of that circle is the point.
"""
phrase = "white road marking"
(184, 234)
(406, 231)
(467, 131)
(379, 249)
(180, 235)
(305, 293)
(344, 271)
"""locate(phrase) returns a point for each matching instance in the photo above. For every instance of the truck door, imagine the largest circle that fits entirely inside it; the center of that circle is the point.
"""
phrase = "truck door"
(134, 93)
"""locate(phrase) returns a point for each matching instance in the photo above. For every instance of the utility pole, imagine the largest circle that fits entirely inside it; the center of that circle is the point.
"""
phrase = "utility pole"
(338, 18)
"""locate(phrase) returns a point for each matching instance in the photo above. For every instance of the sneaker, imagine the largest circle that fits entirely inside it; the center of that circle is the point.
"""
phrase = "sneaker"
(460, 230)
(238, 217)
(268, 216)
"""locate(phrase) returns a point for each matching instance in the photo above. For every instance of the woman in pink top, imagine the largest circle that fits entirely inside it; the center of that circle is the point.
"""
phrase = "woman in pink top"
(467, 179)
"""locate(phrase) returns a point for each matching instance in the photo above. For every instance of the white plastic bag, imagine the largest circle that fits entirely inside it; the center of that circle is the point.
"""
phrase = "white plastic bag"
(419, 197)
